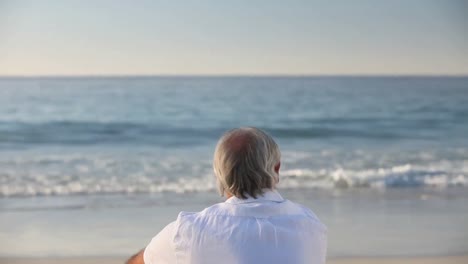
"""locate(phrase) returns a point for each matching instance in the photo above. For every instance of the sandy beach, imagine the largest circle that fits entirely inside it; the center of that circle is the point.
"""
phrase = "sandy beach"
(406, 260)
(109, 260)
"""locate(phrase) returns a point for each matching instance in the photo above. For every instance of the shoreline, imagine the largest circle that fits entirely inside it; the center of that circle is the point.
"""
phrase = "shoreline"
(455, 259)
(452, 259)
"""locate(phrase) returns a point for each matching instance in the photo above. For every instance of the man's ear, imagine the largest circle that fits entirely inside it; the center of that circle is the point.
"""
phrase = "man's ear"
(277, 167)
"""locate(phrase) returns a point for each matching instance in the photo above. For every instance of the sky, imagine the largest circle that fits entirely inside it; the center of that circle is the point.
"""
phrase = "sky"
(241, 37)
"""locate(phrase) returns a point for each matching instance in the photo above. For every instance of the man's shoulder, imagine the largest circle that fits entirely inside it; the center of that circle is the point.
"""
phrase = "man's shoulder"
(215, 209)
(190, 221)
(286, 209)
(311, 215)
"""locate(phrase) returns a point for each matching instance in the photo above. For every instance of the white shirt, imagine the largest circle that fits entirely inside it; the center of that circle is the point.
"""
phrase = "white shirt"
(268, 229)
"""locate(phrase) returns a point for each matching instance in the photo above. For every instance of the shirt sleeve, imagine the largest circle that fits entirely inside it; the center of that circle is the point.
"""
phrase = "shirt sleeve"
(161, 249)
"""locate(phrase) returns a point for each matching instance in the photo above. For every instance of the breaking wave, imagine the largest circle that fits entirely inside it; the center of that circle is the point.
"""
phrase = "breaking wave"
(441, 175)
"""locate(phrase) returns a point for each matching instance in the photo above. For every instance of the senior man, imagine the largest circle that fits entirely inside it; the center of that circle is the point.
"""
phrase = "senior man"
(254, 225)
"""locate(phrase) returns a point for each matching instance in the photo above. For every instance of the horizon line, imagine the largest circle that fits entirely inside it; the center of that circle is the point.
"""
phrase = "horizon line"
(45, 76)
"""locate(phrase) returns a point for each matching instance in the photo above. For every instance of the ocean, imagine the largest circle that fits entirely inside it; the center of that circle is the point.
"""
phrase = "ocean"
(98, 165)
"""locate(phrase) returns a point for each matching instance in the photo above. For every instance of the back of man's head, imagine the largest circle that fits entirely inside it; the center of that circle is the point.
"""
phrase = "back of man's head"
(246, 161)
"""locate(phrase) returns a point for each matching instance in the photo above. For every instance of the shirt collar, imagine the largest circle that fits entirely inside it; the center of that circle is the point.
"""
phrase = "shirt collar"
(268, 195)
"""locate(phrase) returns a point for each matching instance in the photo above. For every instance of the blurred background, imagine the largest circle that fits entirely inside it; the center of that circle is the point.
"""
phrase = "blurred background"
(110, 111)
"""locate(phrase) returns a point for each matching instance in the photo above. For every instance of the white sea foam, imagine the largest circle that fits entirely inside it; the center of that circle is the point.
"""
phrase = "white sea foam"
(81, 176)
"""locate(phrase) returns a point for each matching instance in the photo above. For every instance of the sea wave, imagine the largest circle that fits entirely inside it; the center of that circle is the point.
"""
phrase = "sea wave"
(94, 132)
(406, 175)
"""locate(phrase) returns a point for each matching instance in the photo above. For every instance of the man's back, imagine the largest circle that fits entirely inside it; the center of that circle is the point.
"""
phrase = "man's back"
(268, 229)
(255, 225)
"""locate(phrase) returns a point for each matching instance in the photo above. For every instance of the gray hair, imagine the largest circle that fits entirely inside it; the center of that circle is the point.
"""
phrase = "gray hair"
(244, 162)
